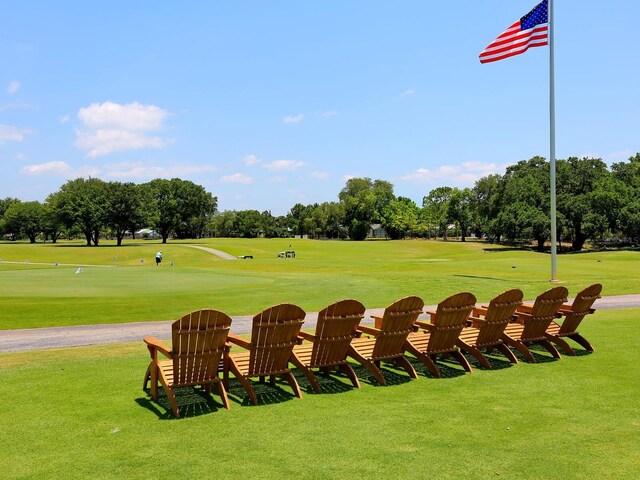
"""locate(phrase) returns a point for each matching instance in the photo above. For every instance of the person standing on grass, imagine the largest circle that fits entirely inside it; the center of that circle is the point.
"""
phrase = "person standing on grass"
(158, 258)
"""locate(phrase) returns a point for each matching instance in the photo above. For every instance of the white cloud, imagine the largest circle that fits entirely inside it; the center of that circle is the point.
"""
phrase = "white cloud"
(237, 178)
(293, 118)
(408, 92)
(284, 165)
(102, 142)
(110, 127)
(346, 178)
(17, 106)
(65, 119)
(251, 160)
(11, 133)
(131, 116)
(13, 87)
(139, 170)
(465, 174)
(615, 156)
(319, 175)
(329, 114)
(276, 179)
(61, 169)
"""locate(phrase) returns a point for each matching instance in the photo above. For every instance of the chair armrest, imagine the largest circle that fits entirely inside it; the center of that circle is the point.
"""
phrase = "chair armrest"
(431, 313)
(306, 336)
(521, 317)
(425, 325)
(368, 330)
(592, 310)
(154, 344)
(477, 322)
(477, 311)
(238, 341)
(525, 308)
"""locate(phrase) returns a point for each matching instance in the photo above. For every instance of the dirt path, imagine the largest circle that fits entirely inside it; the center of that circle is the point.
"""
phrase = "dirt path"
(62, 337)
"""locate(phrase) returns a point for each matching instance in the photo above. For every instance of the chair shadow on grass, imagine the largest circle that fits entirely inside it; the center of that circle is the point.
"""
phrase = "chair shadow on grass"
(192, 401)
(266, 393)
(393, 375)
(330, 383)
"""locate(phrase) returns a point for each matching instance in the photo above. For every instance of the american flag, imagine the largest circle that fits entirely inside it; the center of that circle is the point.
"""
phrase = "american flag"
(530, 31)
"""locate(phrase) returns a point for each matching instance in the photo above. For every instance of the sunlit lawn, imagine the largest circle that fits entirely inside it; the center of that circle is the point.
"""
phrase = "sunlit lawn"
(80, 413)
(123, 284)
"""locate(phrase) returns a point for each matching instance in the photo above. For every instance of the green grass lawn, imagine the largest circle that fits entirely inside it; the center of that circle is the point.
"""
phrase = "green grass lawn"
(80, 413)
(115, 286)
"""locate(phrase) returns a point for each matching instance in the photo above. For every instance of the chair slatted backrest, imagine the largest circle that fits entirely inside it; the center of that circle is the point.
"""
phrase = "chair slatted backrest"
(273, 336)
(396, 324)
(198, 341)
(451, 317)
(581, 306)
(543, 313)
(335, 329)
(499, 313)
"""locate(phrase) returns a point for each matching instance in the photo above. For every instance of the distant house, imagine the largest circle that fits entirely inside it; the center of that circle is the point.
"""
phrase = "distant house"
(147, 234)
(377, 231)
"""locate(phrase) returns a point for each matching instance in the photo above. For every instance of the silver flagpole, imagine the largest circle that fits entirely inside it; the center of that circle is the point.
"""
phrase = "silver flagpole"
(552, 146)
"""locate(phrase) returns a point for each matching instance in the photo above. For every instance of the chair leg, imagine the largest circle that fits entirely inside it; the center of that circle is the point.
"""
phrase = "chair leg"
(566, 348)
(424, 358)
(524, 350)
(272, 379)
(223, 394)
(550, 348)
(368, 364)
(406, 364)
(307, 373)
(173, 402)
(476, 353)
(153, 374)
(350, 373)
(507, 353)
(147, 376)
(580, 340)
(462, 360)
(294, 385)
(245, 383)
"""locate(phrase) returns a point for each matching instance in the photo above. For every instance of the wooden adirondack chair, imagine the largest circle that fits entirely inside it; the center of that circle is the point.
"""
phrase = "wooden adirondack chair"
(198, 344)
(387, 341)
(273, 336)
(328, 348)
(532, 322)
(486, 332)
(440, 335)
(573, 315)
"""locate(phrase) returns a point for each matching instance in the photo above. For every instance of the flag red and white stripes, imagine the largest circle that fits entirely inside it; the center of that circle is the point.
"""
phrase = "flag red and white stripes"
(532, 30)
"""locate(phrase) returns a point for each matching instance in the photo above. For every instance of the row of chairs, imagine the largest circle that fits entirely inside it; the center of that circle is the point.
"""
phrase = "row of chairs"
(201, 340)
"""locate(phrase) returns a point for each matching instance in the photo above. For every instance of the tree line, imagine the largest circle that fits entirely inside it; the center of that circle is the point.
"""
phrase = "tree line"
(594, 202)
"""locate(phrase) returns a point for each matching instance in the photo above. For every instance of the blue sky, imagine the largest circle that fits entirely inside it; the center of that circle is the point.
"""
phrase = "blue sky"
(271, 103)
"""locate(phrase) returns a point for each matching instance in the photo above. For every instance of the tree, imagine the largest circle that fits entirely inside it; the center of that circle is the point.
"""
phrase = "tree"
(488, 192)
(364, 202)
(437, 206)
(165, 205)
(223, 224)
(24, 218)
(400, 218)
(459, 210)
(52, 223)
(248, 223)
(524, 213)
(126, 206)
(81, 202)
(577, 179)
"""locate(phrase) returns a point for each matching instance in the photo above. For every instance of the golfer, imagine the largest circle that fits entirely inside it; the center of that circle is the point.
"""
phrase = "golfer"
(158, 258)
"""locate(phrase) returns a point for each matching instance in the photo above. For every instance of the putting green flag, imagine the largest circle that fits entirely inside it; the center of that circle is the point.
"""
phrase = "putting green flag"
(79, 270)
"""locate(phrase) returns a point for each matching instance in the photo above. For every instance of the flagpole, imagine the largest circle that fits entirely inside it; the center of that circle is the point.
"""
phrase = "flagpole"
(552, 143)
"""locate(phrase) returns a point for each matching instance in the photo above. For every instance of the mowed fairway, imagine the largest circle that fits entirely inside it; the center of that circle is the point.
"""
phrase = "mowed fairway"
(116, 286)
(80, 413)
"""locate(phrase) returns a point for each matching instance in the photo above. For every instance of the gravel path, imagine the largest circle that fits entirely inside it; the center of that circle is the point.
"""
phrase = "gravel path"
(61, 337)
(218, 253)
